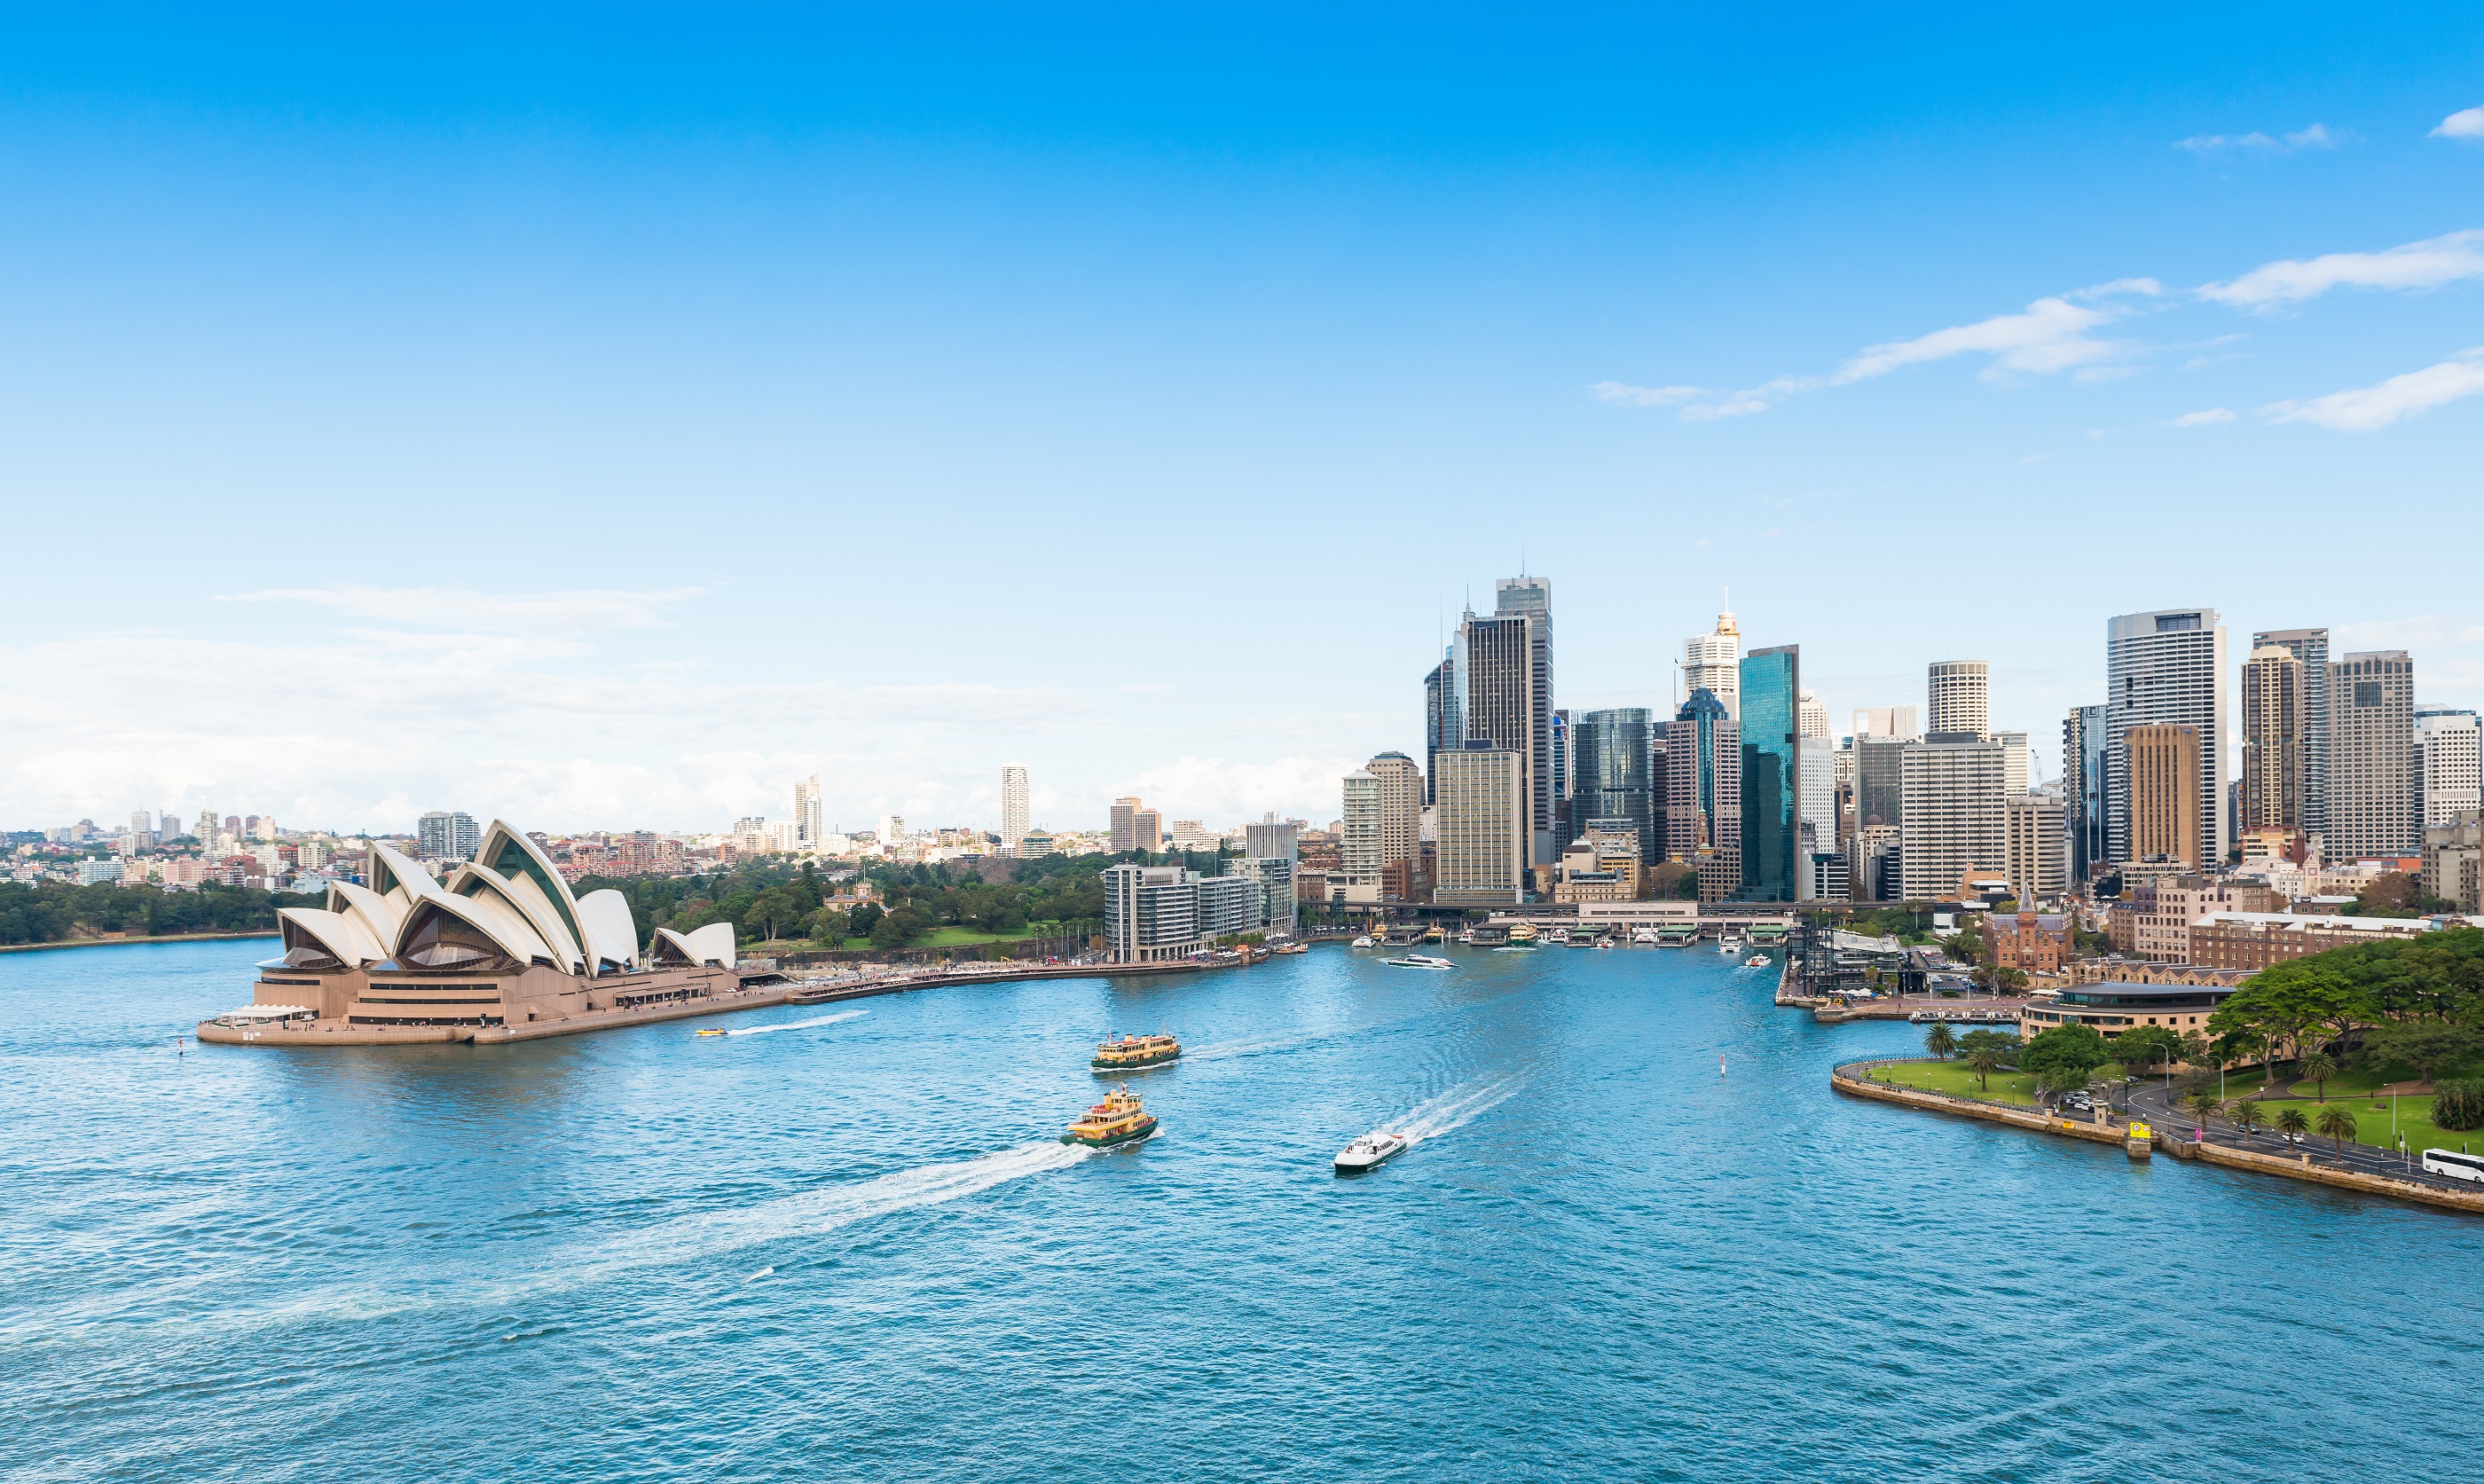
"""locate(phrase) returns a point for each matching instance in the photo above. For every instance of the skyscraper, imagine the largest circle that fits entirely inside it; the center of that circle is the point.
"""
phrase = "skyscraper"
(1136, 827)
(1507, 662)
(2277, 758)
(1771, 741)
(1613, 773)
(1713, 662)
(447, 835)
(2312, 647)
(1482, 851)
(1898, 722)
(1564, 829)
(2375, 799)
(2083, 788)
(2163, 769)
(1955, 817)
(1443, 715)
(1013, 812)
(1819, 835)
(2165, 668)
(810, 813)
(1960, 694)
(1703, 778)
(2447, 761)
(2038, 845)
(1383, 811)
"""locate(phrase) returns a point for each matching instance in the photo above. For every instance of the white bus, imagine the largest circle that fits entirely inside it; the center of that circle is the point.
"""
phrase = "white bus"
(2456, 1166)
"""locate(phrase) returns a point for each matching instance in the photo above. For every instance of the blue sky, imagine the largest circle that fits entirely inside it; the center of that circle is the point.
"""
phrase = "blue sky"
(604, 417)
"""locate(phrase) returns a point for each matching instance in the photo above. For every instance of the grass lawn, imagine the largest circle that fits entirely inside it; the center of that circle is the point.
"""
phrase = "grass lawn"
(2372, 1122)
(1950, 1077)
(968, 938)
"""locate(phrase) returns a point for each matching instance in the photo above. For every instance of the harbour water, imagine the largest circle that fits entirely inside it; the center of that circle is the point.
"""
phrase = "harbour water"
(847, 1246)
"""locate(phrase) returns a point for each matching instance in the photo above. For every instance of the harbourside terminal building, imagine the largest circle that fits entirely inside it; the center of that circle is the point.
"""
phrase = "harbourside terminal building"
(500, 949)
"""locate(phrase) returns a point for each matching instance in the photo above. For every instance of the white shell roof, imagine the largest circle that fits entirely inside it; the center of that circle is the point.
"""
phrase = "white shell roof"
(606, 916)
(345, 936)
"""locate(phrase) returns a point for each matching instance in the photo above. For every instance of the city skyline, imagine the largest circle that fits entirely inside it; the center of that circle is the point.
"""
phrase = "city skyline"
(624, 318)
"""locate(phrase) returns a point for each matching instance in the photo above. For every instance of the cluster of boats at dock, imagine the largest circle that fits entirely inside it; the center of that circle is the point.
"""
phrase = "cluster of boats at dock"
(1122, 1117)
(1526, 937)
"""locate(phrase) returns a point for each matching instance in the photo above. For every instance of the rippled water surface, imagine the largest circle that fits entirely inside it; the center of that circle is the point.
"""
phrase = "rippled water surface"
(848, 1246)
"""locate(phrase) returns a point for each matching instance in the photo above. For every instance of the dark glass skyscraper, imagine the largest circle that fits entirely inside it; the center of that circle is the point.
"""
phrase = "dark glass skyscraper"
(1703, 769)
(1613, 752)
(1772, 741)
(1444, 727)
(2083, 778)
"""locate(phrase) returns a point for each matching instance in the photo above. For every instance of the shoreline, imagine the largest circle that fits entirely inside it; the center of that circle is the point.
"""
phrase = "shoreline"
(1844, 1079)
(123, 942)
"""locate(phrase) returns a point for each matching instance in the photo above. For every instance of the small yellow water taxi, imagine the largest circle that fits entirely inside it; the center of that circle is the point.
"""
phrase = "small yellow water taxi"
(711, 1033)
(1119, 1118)
(1136, 1053)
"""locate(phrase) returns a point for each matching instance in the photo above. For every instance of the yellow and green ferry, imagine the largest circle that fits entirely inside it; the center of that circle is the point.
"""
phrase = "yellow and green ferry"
(1136, 1053)
(1119, 1118)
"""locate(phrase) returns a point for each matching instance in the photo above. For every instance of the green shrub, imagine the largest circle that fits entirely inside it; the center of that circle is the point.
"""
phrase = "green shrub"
(2459, 1104)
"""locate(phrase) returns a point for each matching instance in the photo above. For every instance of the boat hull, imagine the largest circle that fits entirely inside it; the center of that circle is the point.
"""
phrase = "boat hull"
(1363, 1163)
(1131, 1135)
(1135, 1063)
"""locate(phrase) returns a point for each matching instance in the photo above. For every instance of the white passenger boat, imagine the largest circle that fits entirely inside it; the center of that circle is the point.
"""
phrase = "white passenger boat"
(1418, 961)
(1729, 945)
(1370, 1151)
(1363, 942)
(1642, 935)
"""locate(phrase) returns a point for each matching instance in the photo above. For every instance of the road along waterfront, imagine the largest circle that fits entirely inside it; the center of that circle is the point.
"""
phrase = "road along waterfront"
(851, 1249)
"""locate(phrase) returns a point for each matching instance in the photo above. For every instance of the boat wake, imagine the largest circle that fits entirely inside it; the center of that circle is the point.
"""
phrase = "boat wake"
(1450, 1111)
(798, 1025)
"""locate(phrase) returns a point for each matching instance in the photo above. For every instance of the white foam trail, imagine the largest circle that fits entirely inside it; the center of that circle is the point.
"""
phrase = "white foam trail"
(799, 1025)
(755, 1277)
(692, 1240)
(1448, 1112)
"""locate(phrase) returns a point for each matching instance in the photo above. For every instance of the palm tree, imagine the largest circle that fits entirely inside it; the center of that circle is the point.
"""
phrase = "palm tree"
(2317, 1067)
(1984, 1061)
(1940, 1041)
(2243, 1113)
(2337, 1124)
(2204, 1103)
(2293, 1121)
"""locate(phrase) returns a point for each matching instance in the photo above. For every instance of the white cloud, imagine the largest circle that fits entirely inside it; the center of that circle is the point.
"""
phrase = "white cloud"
(1627, 395)
(1213, 788)
(2417, 265)
(2366, 408)
(2319, 136)
(582, 612)
(2200, 420)
(2466, 124)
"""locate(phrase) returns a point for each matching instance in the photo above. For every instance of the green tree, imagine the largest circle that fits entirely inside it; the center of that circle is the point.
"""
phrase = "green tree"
(2204, 1103)
(2337, 1124)
(2422, 1047)
(2293, 1121)
(2077, 1048)
(2243, 1114)
(2142, 1047)
(2062, 1078)
(2459, 1104)
(1940, 1041)
(1984, 1061)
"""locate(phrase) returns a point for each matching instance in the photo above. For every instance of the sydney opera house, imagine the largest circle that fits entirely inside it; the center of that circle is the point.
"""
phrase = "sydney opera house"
(499, 950)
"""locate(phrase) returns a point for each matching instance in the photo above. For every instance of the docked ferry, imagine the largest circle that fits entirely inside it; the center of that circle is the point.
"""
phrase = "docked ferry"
(1522, 935)
(1136, 1053)
(1119, 1118)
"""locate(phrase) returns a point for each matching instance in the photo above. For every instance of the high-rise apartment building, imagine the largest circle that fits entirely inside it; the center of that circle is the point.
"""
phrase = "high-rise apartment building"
(206, 830)
(1818, 791)
(1384, 806)
(447, 835)
(2083, 788)
(1954, 819)
(1703, 778)
(2312, 647)
(1961, 696)
(2017, 761)
(1014, 811)
(810, 813)
(1271, 839)
(1774, 869)
(1136, 827)
(1507, 665)
(2163, 769)
(2165, 668)
(1482, 848)
(1896, 721)
(2375, 798)
(1613, 773)
(1714, 662)
(2035, 845)
(2447, 762)
(2277, 741)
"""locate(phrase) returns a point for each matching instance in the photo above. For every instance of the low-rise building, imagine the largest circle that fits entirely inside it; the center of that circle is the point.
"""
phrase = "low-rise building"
(2253, 941)
(2164, 910)
(2114, 1007)
(2036, 943)
(2451, 860)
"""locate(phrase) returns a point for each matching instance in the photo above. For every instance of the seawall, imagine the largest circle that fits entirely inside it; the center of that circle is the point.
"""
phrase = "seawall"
(1844, 1080)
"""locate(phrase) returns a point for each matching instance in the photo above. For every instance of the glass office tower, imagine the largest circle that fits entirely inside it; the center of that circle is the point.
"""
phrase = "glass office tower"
(1611, 776)
(1771, 738)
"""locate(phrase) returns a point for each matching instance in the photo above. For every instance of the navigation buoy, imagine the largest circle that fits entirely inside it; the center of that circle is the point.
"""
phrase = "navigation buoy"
(1721, 1064)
